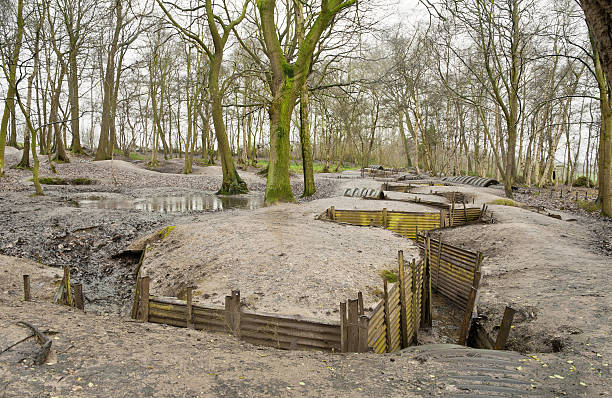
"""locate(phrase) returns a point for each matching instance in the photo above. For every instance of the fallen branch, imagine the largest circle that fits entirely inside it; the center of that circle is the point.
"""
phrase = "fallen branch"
(42, 339)
(19, 342)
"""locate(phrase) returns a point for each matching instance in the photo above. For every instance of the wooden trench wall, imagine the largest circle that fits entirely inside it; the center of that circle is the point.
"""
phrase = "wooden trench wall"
(451, 271)
(394, 323)
(407, 224)
(275, 330)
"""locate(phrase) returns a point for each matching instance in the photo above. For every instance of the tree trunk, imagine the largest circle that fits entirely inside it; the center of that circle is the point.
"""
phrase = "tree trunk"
(309, 185)
(232, 183)
(9, 104)
(278, 187)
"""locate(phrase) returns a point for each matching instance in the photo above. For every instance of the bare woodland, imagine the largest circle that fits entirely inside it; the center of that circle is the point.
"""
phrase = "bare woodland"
(515, 90)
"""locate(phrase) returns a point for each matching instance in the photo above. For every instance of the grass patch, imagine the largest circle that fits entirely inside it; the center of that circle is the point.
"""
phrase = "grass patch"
(375, 291)
(136, 156)
(589, 206)
(64, 181)
(164, 232)
(389, 276)
(316, 167)
(504, 202)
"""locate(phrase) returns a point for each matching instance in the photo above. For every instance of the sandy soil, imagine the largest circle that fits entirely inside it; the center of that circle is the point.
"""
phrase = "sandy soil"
(280, 258)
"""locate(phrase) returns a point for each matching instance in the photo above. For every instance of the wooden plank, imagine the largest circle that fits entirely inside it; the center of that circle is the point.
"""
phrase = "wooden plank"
(504, 329)
(144, 299)
(220, 322)
(343, 328)
(415, 305)
(289, 318)
(167, 321)
(467, 319)
(387, 320)
(189, 312)
(353, 326)
(363, 334)
(78, 296)
(403, 302)
(273, 330)
(307, 326)
(179, 316)
(288, 343)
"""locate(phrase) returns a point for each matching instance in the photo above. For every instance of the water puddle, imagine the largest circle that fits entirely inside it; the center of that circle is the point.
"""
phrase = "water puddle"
(179, 204)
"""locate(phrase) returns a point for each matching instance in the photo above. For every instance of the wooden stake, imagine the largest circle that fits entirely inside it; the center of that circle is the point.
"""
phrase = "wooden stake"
(67, 286)
(426, 305)
(384, 218)
(78, 296)
(332, 213)
(387, 316)
(343, 328)
(504, 329)
(360, 301)
(26, 288)
(403, 303)
(467, 318)
(189, 318)
(353, 326)
(144, 299)
(414, 303)
(363, 333)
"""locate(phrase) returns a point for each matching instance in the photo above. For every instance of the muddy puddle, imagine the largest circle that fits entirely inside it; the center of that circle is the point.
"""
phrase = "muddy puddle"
(178, 204)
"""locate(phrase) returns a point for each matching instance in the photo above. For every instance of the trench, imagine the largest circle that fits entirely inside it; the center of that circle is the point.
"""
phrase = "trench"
(88, 228)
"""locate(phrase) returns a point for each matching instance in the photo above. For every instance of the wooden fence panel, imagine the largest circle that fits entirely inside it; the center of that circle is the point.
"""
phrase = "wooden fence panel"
(408, 224)
(377, 333)
(281, 331)
(359, 217)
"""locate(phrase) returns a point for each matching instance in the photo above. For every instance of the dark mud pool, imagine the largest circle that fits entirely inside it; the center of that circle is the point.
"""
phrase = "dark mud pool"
(179, 204)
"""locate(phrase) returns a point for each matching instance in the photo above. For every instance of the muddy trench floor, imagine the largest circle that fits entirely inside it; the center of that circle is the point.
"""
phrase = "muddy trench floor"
(54, 231)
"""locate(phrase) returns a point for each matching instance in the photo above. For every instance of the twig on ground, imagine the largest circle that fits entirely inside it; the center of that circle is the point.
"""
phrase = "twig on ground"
(19, 342)
(42, 339)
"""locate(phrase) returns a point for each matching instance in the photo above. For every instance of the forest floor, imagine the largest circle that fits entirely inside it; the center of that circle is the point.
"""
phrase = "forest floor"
(556, 273)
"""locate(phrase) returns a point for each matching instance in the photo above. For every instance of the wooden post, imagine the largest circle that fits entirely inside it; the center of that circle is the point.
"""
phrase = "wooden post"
(343, 328)
(332, 213)
(360, 301)
(384, 218)
(26, 288)
(353, 326)
(144, 299)
(363, 333)
(576, 196)
(467, 318)
(438, 261)
(426, 304)
(403, 304)
(413, 304)
(67, 290)
(78, 296)
(387, 316)
(232, 312)
(465, 212)
(189, 314)
(504, 329)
